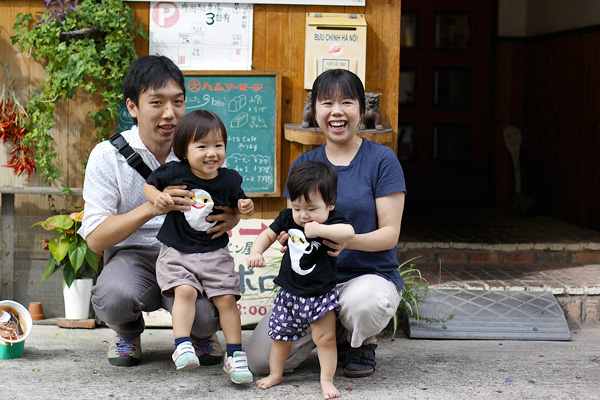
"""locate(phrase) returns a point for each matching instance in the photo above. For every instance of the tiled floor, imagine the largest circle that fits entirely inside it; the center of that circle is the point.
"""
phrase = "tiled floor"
(560, 280)
(487, 228)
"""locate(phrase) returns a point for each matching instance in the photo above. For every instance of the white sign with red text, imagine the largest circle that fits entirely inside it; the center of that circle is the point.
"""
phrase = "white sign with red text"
(202, 36)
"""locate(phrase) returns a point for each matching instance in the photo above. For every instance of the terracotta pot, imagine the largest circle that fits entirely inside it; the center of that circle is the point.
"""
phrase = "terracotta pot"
(36, 310)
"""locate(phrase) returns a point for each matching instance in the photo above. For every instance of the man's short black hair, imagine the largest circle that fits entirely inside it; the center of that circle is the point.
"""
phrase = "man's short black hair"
(150, 72)
(308, 177)
(193, 127)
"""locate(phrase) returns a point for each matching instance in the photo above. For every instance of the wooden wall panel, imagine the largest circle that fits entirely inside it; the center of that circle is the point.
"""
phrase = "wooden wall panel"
(278, 44)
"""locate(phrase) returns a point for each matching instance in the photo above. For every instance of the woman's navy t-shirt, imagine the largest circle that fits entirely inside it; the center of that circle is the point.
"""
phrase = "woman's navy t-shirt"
(374, 172)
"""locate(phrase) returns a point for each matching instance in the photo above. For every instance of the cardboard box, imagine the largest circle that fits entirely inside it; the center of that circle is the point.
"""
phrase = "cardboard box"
(334, 41)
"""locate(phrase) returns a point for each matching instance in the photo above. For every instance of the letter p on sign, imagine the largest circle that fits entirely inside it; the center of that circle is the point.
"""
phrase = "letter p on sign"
(165, 15)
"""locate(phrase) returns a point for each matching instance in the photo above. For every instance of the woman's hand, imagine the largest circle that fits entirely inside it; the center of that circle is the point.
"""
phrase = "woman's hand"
(225, 221)
(336, 247)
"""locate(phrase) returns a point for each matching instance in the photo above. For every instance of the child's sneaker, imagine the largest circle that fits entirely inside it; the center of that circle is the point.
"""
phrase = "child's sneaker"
(237, 367)
(184, 356)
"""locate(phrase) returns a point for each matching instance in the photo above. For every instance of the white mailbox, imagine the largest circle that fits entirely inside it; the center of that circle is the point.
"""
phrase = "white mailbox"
(334, 41)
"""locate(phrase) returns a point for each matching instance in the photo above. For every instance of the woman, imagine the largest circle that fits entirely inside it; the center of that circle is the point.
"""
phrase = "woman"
(371, 192)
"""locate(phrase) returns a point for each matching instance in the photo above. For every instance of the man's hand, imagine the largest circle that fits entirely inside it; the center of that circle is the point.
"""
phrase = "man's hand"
(226, 221)
(182, 198)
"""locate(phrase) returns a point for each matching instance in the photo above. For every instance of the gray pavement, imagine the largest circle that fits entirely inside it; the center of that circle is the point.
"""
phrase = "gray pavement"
(63, 363)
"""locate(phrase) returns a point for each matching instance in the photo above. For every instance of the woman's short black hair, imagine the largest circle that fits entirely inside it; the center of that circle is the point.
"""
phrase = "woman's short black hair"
(308, 177)
(150, 72)
(334, 81)
(193, 127)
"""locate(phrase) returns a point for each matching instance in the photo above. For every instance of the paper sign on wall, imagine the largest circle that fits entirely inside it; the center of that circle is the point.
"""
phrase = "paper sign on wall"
(203, 36)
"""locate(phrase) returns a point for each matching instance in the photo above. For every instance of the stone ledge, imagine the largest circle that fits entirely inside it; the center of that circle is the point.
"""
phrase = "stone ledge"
(581, 246)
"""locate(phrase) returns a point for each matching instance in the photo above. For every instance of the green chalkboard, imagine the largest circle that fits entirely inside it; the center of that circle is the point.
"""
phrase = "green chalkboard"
(248, 103)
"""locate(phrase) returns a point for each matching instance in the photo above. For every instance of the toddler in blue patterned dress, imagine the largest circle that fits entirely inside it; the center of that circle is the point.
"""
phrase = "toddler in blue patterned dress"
(308, 295)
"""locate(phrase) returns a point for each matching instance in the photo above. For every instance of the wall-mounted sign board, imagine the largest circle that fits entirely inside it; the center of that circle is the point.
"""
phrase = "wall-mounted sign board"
(248, 102)
(202, 36)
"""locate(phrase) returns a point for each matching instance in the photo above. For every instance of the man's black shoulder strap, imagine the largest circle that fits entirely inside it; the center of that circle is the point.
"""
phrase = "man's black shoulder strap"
(133, 158)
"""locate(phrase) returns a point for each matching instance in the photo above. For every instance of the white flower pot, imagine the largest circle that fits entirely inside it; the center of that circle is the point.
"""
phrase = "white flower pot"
(77, 298)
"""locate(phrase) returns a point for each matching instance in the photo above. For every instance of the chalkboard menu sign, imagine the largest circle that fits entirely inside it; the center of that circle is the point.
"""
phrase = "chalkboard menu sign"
(248, 103)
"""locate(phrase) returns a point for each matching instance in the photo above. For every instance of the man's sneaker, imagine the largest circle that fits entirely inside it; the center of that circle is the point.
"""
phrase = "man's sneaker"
(360, 361)
(237, 367)
(208, 350)
(184, 356)
(124, 353)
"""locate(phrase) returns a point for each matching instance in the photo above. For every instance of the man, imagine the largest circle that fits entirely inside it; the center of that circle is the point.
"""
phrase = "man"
(119, 221)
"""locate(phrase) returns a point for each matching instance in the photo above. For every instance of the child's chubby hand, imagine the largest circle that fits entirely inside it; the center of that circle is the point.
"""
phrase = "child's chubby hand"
(256, 260)
(246, 207)
(162, 201)
(311, 229)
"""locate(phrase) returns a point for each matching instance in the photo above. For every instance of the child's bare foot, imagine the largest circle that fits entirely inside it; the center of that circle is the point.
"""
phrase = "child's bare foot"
(329, 391)
(269, 381)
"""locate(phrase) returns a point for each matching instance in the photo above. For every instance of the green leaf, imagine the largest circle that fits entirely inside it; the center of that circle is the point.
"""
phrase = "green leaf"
(92, 258)
(51, 268)
(59, 249)
(63, 222)
(68, 275)
(77, 255)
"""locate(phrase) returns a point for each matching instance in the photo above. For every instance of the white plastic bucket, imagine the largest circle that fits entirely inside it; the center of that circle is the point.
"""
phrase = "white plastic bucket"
(25, 319)
(13, 348)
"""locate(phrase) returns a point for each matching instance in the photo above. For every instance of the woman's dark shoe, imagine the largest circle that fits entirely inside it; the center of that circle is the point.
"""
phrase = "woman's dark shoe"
(342, 351)
(360, 361)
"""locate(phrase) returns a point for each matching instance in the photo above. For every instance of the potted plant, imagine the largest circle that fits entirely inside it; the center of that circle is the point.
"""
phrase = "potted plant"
(70, 253)
(85, 45)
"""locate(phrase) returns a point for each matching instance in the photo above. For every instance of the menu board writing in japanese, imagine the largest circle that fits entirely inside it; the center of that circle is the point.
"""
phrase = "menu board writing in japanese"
(248, 104)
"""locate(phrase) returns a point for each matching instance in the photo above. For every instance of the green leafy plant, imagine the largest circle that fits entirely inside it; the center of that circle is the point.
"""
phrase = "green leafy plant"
(90, 48)
(414, 292)
(69, 252)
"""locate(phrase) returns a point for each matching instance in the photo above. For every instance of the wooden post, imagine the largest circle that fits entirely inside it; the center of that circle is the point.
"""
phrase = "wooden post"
(7, 266)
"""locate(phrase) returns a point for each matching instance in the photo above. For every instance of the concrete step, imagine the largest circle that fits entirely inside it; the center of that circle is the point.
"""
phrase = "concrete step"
(582, 253)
